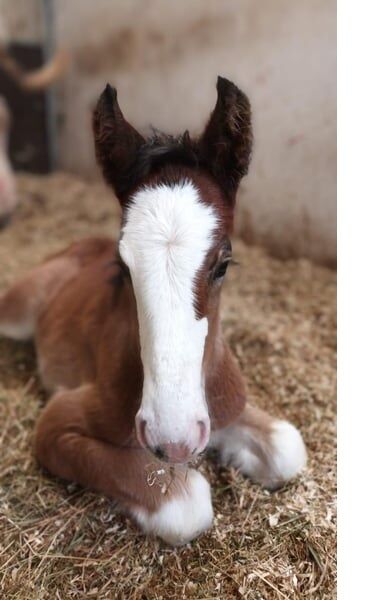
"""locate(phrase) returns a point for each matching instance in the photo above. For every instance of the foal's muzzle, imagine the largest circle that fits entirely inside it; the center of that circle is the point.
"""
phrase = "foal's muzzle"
(174, 452)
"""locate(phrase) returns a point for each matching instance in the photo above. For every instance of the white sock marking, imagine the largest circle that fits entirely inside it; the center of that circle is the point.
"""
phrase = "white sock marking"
(180, 519)
(279, 459)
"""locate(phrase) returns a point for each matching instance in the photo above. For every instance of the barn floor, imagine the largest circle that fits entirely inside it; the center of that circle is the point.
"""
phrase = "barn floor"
(57, 541)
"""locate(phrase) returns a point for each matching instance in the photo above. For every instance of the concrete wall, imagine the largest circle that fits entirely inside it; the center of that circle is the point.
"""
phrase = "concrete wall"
(164, 56)
(21, 20)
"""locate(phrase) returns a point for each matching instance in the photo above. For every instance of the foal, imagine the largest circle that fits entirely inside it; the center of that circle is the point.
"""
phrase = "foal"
(128, 335)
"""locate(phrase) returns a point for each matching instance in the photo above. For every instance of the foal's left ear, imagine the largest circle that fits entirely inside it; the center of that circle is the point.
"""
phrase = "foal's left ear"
(116, 141)
(226, 143)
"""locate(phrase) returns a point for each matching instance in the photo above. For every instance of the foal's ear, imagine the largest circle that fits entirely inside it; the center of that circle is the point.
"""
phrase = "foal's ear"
(116, 141)
(226, 142)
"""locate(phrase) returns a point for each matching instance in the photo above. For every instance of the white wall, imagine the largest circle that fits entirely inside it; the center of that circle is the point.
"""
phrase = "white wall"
(21, 20)
(164, 56)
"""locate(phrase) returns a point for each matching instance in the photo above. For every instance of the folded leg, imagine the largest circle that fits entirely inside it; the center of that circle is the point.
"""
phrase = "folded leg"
(267, 450)
(23, 302)
(21, 305)
(73, 442)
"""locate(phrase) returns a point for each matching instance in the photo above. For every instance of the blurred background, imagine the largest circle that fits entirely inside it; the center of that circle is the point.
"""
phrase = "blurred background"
(164, 57)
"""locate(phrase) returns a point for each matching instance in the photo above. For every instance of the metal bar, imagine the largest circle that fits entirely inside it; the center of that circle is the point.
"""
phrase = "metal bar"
(51, 100)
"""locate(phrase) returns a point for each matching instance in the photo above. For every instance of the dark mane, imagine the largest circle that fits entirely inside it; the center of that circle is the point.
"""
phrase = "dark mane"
(160, 150)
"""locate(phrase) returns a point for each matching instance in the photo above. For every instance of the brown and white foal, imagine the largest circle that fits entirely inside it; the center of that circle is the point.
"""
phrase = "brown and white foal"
(128, 335)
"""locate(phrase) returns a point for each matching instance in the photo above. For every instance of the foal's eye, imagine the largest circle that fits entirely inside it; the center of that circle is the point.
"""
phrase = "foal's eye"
(220, 270)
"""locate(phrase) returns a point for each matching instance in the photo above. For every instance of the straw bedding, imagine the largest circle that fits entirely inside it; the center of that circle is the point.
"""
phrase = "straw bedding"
(58, 541)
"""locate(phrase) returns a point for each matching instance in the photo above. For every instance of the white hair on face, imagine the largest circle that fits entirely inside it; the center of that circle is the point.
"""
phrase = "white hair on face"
(164, 242)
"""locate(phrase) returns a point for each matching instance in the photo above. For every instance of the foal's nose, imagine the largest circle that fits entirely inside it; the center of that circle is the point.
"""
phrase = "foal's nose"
(174, 452)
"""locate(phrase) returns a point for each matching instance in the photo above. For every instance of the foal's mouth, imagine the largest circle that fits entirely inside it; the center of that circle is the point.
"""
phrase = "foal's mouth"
(180, 455)
(173, 453)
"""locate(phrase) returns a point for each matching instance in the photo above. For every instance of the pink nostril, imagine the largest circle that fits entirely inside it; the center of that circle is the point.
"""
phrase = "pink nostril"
(141, 426)
(203, 434)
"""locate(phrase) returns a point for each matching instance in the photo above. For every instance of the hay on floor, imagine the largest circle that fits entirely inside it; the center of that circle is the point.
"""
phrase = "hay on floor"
(58, 541)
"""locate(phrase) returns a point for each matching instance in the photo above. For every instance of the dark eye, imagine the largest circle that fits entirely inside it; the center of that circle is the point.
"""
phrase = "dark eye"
(220, 270)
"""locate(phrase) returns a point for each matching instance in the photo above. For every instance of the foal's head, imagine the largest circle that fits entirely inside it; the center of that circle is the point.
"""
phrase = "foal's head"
(177, 196)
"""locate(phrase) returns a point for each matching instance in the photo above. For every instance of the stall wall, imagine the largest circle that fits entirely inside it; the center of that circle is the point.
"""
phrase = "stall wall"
(164, 57)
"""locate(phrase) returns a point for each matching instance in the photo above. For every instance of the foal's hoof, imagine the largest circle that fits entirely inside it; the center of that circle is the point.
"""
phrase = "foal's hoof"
(183, 517)
(269, 460)
(288, 455)
(284, 457)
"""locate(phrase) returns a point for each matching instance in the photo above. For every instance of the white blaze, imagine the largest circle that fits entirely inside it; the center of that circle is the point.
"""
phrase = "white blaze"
(167, 235)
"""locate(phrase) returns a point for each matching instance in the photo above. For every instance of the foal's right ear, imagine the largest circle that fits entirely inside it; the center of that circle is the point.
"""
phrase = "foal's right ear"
(226, 143)
(116, 141)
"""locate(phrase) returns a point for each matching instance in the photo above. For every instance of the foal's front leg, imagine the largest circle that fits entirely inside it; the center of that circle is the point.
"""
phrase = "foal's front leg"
(267, 450)
(70, 444)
